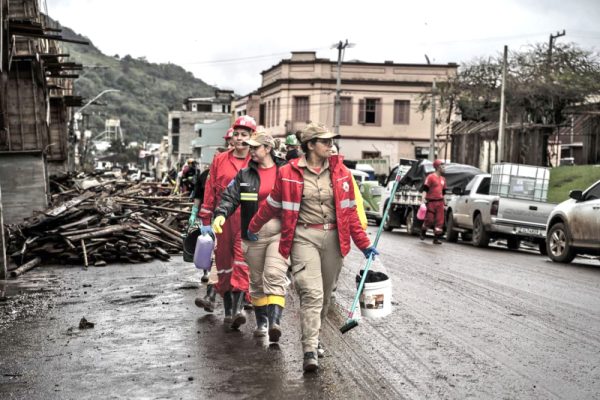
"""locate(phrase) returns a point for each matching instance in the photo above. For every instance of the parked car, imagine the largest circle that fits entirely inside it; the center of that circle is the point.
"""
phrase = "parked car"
(574, 226)
(371, 192)
(484, 216)
(359, 176)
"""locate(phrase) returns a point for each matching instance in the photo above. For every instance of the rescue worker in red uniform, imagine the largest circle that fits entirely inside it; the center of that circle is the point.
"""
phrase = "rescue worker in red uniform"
(316, 200)
(433, 197)
(232, 270)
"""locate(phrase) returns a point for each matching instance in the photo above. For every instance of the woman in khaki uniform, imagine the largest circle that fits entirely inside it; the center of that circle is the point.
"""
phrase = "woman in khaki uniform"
(315, 196)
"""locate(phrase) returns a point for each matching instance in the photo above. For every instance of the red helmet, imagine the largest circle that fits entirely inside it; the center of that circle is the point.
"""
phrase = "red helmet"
(245, 121)
(229, 134)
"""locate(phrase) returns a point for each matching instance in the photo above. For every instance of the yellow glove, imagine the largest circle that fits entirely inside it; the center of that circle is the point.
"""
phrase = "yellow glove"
(218, 223)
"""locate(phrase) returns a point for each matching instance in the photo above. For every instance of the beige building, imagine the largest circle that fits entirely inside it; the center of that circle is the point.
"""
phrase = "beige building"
(379, 103)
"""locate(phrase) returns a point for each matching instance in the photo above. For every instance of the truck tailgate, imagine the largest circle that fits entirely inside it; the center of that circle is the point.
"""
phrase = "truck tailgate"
(525, 212)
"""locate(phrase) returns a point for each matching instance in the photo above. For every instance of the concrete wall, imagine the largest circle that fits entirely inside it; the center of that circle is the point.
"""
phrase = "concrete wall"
(24, 182)
(3, 260)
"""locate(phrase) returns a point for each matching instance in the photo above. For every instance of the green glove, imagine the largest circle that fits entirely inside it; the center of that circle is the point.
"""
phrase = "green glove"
(193, 216)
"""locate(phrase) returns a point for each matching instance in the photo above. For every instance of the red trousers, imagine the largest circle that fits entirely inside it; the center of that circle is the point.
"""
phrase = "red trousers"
(232, 270)
(435, 215)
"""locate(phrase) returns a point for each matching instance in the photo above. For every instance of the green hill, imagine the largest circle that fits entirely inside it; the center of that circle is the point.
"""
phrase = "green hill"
(567, 178)
(148, 90)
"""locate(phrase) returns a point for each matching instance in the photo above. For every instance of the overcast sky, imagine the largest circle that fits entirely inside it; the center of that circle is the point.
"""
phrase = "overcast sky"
(228, 43)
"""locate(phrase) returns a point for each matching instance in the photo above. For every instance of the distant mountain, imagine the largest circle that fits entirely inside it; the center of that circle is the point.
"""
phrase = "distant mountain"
(148, 91)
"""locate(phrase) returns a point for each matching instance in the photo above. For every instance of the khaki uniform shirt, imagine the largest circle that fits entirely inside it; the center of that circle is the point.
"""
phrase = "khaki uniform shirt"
(317, 205)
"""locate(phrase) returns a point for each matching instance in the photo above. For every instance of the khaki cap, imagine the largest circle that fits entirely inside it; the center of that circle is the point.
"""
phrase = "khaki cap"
(261, 138)
(316, 131)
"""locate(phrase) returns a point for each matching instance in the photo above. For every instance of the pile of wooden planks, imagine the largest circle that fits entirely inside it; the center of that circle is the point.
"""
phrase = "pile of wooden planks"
(97, 222)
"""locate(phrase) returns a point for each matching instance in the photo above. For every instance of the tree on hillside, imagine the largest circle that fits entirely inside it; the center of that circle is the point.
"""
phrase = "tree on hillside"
(538, 88)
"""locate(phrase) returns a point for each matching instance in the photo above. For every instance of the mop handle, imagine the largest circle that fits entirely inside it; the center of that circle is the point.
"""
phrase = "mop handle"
(379, 231)
(363, 278)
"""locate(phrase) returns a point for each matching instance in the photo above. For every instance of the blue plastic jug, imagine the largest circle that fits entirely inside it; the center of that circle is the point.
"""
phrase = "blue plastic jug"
(203, 253)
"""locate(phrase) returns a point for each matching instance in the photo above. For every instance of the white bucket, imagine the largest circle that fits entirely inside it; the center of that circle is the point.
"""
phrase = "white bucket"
(376, 299)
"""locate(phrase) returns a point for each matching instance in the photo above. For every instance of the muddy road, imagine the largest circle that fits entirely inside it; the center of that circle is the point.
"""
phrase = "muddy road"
(467, 323)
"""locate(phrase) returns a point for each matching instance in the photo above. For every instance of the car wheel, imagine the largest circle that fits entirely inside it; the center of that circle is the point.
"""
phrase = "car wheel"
(543, 248)
(513, 243)
(480, 237)
(559, 249)
(386, 223)
(451, 234)
(410, 222)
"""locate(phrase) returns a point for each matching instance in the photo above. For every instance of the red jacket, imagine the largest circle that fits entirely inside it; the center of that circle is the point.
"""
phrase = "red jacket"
(287, 196)
(222, 171)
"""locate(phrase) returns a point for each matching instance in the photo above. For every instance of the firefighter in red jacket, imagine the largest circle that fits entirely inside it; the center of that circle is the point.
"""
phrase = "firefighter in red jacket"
(315, 196)
(232, 270)
(433, 197)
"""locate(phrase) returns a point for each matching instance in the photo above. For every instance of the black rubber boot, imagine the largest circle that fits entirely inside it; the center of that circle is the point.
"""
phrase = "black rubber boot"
(436, 240)
(423, 234)
(208, 301)
(262, 321)
(310, 364)
(228, 306)
(239, 315)
(204, 278)
(274, 312)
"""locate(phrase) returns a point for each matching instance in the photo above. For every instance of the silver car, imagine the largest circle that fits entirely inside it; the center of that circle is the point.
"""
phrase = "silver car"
(574, 226)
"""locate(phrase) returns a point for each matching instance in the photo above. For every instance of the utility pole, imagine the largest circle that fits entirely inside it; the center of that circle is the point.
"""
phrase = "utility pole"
(341, 47)
(553, 120)
(502, 110)
(551, 44)
(432, 138)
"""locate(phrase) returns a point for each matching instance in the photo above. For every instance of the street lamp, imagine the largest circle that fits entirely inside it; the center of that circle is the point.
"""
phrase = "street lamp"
(73, 127)
(341, 47)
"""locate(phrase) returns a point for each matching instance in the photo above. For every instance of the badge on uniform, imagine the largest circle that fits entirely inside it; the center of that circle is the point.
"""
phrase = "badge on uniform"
(345, 186)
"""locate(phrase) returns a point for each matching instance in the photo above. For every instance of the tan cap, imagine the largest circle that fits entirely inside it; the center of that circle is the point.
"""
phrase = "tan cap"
(316, 131)
(261, 138)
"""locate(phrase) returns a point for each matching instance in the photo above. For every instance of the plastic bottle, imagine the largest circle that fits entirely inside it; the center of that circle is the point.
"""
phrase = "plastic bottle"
(422, 212)
(203, 253)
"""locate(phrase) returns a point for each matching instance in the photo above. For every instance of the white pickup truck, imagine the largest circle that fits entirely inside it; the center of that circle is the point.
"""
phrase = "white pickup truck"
(477, 214)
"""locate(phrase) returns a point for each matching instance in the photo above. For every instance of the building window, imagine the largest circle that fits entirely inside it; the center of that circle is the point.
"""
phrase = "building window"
(261, 114)
(346, 111)
(204, 108)
(300, 112)
(175, 144)
(401, 112)
(366, 155)
(369, 112)
(199, 132)
(174, 125)
(278, 107)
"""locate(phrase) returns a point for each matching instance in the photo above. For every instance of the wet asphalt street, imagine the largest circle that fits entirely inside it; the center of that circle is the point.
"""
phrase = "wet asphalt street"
(467, 323)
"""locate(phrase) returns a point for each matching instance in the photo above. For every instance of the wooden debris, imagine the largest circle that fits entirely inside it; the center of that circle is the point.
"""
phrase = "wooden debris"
(110, 221)
(25, 267)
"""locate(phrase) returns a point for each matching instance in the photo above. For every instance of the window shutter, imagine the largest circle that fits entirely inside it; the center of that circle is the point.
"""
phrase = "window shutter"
(378, 112)
(361, 111)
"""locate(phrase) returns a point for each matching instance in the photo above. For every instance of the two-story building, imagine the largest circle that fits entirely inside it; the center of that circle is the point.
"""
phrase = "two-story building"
(197, 130)
(379, 115)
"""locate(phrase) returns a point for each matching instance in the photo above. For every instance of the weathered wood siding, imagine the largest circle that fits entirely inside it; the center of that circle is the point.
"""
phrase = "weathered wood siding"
(24, 182)
(57, 151)
(28, 128)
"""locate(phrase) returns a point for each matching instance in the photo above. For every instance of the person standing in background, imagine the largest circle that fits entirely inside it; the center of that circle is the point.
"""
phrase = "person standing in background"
(433, 198)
